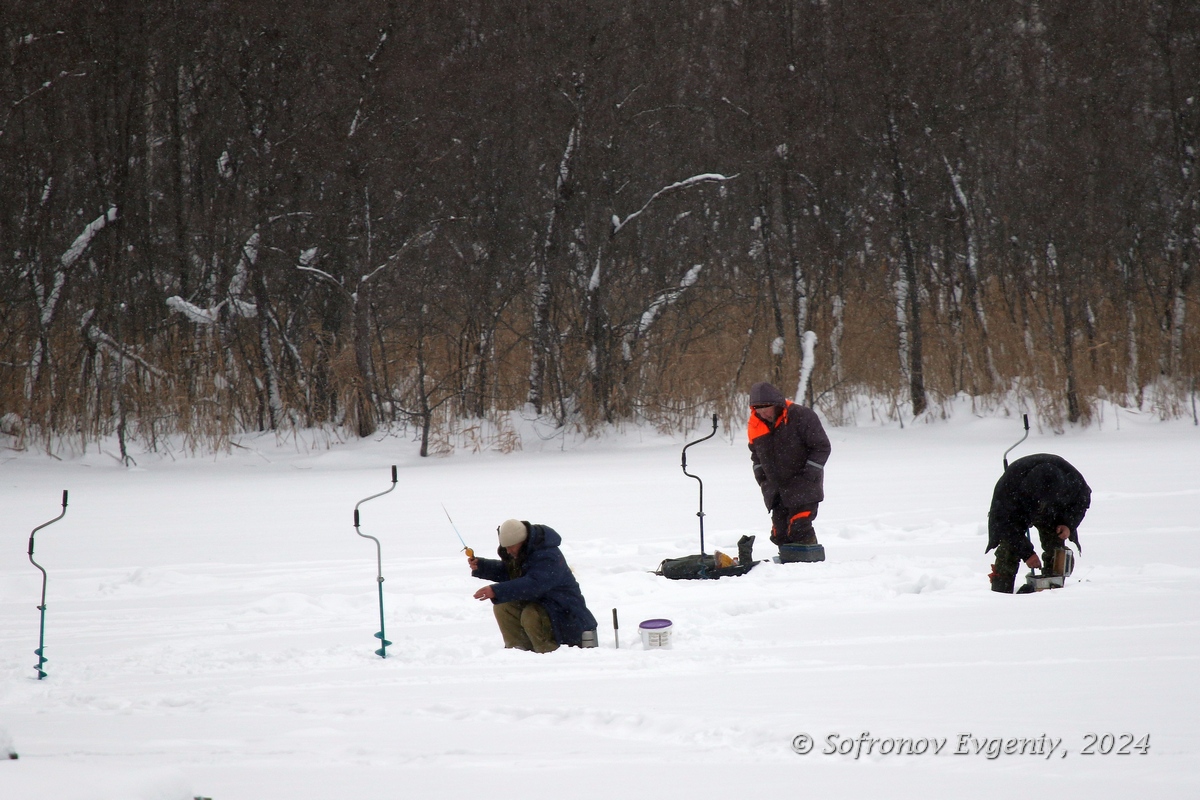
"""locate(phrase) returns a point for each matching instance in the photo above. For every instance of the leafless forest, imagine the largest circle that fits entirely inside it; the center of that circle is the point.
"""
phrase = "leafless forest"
(363, 215)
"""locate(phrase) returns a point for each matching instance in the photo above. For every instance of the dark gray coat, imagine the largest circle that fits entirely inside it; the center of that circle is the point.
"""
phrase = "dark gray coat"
(789, 455)
(1040, 491)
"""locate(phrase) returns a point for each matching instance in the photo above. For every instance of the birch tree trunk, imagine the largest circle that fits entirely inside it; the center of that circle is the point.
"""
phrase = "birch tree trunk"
(275, 412)
(763, 223)
(1133, 385)
(598, 330)
(1177, 59)
(1063, 290)
(364, 408)
(808, 344)
(800, 284)
(974, 288)
(425, 409)
(1026, 322)
(838, 309)
(1183, 280)
(900, 290)
(541, 338)
(907, 289)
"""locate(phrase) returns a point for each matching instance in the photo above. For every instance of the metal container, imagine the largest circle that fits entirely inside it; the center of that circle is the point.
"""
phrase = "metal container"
(1064, 562)
(1054, 574)
(1039, 583)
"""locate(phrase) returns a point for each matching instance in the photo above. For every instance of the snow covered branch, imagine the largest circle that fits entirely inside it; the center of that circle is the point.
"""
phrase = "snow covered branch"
(320, 273)
(45, 87)
(708, 177)
(655, 308)
(237, 306)
(50, 303)
(421, 238)
(358, 112)
(102, 340)
(194, 313)
(85, 238)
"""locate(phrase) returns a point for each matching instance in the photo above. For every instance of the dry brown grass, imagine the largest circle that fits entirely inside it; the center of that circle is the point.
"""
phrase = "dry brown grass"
(697, 360)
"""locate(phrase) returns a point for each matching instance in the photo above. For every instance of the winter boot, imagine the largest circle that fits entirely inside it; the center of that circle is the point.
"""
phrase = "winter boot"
(1002, 583)
(801, 553)
(746, 551)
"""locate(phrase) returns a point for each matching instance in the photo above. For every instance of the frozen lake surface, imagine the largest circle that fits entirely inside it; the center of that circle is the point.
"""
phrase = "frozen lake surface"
(209, 626)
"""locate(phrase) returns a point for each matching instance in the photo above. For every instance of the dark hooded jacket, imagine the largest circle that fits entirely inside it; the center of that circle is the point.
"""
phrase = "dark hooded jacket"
(1040, 491)
(789, 455)
(539, 574)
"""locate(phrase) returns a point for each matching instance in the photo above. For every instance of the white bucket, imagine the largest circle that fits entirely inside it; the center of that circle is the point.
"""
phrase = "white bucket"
(656, 633)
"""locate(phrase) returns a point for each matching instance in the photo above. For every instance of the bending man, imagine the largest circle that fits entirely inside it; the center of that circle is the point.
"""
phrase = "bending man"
(1041, 491)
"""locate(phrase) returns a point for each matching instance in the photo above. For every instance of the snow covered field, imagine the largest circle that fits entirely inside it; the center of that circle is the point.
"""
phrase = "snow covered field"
(209, 626)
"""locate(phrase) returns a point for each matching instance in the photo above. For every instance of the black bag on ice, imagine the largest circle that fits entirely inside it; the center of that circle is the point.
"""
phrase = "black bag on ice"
(698, 567)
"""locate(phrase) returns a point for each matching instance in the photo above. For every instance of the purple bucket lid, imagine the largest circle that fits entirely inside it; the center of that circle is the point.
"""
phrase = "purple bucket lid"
(654, 624)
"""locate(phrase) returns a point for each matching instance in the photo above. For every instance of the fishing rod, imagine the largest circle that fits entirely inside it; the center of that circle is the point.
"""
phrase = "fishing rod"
(41, 650)
(470, 553)
(382, 651)
(699, 513)
(1023, 438)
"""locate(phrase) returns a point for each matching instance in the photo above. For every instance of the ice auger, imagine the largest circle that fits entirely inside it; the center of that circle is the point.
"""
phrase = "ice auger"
(41, 650)
(683, 457)
(382, 651)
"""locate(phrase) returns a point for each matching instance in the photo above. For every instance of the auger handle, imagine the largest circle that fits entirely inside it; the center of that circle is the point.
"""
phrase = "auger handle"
(698, 441)
(44, 524)
(1023, 438)
(372, 497)
(683, 459)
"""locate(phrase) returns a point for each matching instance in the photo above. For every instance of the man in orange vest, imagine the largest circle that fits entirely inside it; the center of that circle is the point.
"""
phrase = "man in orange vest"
(788, 448)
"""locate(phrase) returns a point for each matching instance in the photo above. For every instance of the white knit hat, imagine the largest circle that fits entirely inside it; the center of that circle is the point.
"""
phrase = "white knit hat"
(512, 531)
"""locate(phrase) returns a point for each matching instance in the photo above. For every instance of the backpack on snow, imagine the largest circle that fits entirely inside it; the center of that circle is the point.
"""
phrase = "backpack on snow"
(700, 567)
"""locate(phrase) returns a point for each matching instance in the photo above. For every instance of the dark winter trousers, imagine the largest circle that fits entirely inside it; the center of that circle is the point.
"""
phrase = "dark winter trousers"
(1008, 562)
(796, 524)
(525, 626)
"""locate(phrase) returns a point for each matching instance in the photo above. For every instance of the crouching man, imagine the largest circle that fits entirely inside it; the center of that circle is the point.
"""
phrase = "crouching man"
(535, 597)
(1041, 491)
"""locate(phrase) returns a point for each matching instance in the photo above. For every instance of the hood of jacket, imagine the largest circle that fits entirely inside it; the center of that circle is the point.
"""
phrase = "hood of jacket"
(539, 537)
(763, 393)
